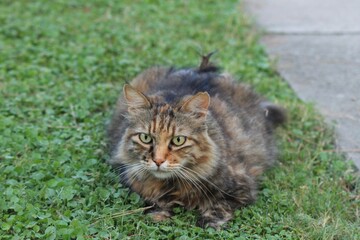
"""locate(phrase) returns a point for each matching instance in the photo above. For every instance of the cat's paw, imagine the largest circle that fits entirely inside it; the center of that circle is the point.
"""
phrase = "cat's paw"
(217, 224)
(159, 215)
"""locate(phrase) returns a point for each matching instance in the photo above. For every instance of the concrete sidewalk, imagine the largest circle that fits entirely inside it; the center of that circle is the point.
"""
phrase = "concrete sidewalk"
(316, 44)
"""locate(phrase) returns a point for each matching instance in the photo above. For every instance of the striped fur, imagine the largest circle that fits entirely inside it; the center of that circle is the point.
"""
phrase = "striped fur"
(229, 141)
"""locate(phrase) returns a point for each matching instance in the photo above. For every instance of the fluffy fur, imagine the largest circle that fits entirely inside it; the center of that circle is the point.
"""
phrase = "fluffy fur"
(195, 138)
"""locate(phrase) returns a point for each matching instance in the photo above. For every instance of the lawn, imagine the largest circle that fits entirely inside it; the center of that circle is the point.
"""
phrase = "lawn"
(62, 66)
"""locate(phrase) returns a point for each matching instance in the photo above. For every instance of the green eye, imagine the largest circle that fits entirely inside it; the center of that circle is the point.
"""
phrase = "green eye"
(178, 140)
(145, 138)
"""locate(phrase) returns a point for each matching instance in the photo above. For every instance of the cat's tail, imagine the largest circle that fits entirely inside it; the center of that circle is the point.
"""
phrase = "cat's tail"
(275, 114)
(206, 65)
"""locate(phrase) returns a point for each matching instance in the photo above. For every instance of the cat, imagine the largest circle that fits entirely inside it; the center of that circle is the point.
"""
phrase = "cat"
(193, 137)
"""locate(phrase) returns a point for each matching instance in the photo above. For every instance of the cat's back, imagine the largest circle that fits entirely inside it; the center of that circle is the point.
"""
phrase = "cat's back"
(173, 84)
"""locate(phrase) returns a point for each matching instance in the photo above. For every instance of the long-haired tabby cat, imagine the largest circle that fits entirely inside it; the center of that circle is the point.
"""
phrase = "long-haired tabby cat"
(195, 138)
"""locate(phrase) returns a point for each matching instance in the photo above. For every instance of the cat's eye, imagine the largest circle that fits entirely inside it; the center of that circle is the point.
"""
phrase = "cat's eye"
(178, 140)
(145, 138)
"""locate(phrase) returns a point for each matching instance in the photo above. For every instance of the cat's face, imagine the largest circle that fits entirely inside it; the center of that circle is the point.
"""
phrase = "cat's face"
(166, 141)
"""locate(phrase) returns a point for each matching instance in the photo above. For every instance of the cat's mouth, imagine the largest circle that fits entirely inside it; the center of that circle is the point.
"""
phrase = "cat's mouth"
(161, 174)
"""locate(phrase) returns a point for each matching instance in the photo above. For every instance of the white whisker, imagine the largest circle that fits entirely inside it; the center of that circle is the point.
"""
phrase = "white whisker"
(206, 180)
(196, 184)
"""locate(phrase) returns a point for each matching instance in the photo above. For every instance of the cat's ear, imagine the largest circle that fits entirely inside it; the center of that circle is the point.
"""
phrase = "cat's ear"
(198, 104)
(135, 99)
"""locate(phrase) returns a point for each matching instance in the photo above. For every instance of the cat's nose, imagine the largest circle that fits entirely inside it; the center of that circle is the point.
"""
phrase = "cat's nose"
(159, 161)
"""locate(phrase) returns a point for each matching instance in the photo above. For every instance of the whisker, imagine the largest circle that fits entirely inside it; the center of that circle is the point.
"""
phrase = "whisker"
(206, 180)
(138, 171)
(183, 183)
(196, 184)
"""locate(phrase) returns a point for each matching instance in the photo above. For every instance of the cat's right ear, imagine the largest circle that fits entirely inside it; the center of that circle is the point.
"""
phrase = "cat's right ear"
(135, 99)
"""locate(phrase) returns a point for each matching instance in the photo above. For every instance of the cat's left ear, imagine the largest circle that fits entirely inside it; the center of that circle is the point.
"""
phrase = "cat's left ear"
(135, 99)
(198, 104)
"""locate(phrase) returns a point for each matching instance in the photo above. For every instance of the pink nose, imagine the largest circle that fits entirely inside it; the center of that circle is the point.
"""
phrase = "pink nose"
(159, 161)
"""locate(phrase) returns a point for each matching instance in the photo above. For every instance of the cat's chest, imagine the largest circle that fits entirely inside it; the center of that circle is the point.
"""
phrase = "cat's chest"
(169, 193)
(187, 196)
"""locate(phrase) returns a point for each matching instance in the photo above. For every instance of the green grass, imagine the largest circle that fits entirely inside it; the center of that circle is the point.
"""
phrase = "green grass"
(62, 66)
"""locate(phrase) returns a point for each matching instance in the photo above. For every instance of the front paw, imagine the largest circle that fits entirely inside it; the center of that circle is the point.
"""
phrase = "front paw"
(158, 215)
(205, 222)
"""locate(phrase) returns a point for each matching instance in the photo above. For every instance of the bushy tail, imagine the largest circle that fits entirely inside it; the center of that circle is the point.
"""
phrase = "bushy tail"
(206, 65)
(274, 113)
